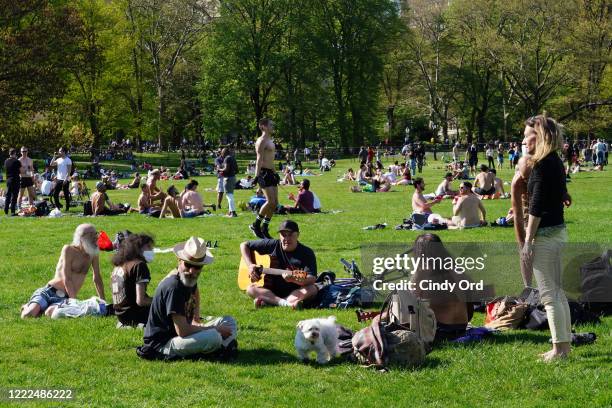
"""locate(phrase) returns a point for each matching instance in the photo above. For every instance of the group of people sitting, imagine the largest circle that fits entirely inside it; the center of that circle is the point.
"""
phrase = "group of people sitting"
(173, 326)
(468, 210)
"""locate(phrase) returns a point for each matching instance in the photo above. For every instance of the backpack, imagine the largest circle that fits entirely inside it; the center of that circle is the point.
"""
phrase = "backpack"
(505, 313)
(42, 208)
(596, 284)
(401, 334)
(404, 309)
(345, 293)
(87, 208)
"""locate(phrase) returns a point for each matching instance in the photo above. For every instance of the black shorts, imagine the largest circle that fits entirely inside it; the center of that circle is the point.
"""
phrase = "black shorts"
(268, 178)
(26, 182)
(473, 162)
(279, 286)
(480, 191)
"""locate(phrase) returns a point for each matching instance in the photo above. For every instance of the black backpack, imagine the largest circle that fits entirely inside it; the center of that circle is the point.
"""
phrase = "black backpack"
(42, 208)
(87, 208)
(596, 284)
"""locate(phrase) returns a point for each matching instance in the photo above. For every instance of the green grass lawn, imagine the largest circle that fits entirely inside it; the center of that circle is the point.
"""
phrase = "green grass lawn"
(100, 364)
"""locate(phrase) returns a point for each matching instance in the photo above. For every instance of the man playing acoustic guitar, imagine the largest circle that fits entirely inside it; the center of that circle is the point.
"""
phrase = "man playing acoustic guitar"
(293, 280)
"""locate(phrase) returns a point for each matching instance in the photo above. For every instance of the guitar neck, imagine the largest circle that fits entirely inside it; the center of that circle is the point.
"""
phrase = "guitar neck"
(274, 271)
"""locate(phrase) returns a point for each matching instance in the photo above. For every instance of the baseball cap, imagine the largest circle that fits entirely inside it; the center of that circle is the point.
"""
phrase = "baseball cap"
(288, 225)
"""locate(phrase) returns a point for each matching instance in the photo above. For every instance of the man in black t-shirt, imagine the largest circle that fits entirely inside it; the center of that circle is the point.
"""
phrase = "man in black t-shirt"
(174, 328)
(12, 166)
(289, 254)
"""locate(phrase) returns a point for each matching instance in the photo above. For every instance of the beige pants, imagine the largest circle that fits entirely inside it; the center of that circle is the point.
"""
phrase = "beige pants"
(205, 341)
(547, 251)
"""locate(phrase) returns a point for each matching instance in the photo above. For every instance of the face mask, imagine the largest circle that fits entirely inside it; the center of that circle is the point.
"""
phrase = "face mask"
(148, 256)
(524, 150)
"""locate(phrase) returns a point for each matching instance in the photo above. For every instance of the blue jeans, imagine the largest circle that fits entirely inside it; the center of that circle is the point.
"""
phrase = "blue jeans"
(47, 296)
(600, 158)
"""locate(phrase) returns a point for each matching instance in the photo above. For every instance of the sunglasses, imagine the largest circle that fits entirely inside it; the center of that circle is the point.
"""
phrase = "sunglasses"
(189, 266)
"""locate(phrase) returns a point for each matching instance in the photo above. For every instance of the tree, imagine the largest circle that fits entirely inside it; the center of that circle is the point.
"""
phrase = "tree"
(352, 36)
(38, 39)
(167, 30)
(530, 51)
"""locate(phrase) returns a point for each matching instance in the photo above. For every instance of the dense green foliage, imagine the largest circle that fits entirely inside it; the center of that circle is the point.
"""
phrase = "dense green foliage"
(344, 71)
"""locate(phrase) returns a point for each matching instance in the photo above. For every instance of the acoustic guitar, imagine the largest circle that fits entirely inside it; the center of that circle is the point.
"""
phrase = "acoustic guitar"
(244, 280)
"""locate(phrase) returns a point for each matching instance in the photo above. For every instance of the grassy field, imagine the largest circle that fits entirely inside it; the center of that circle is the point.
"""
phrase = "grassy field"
(99, 362)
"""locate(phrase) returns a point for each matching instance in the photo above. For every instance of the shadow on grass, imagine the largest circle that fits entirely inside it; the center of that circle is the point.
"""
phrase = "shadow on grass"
(504, 338)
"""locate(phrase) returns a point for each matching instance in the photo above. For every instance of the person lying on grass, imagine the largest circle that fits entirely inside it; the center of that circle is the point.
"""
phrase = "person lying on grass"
(70, 272)
(289, 254)
(130, 278)
(173, 327)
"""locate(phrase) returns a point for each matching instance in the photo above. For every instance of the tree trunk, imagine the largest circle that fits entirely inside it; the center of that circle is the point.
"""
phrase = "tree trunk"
(161, 106)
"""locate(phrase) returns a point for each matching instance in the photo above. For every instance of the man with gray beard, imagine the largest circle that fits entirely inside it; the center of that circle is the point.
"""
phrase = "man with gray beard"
(174, 328)
(74, 262)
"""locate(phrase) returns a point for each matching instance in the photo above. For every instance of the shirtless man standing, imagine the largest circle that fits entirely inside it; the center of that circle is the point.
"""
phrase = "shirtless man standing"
(26, 177)
(484, 184)
(70, 272)
(266, 177)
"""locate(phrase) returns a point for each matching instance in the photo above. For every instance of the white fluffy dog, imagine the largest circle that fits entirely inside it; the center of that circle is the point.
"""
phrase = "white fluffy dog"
(317, 335)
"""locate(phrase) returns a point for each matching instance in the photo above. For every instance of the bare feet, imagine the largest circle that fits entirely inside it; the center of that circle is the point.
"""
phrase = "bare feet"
(553, 355)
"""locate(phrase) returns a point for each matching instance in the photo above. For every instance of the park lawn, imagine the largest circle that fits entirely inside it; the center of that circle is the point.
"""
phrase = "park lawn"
(99, 362)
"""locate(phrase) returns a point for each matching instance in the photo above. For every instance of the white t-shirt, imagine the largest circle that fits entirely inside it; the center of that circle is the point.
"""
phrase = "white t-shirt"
(62, 167)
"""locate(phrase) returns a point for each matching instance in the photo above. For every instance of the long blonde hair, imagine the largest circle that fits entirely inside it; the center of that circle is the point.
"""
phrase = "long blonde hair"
(549, 136)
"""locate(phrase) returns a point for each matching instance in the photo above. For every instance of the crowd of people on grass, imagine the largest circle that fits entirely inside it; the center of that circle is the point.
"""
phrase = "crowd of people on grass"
(173, 326)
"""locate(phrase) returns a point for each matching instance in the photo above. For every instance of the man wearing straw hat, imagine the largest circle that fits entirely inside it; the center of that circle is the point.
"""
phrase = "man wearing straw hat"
(173, 329)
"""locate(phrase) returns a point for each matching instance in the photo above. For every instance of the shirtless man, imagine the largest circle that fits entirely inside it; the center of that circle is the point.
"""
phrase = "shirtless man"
(172, 203)
(70, 272)
(485, 182)
(154, 191)
(498, 184)
(467, 208)
(419, 204)
(266, 177)
(193, 204)
(26, 177)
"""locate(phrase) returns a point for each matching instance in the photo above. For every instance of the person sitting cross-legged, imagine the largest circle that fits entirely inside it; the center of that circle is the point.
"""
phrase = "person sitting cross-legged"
(287, 254)
(174, 328)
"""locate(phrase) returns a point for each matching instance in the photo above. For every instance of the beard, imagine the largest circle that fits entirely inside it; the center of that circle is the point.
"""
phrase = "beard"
(189, 282)
(90, 248)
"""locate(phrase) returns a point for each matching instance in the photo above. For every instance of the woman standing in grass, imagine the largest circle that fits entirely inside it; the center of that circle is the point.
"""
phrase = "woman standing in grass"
(546, 234)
